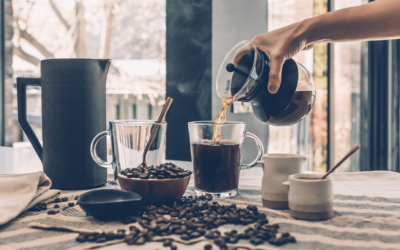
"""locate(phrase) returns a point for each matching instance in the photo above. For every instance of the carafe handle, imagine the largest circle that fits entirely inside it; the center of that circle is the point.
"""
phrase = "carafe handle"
(22, 83)
(260, 148)
(93, 151)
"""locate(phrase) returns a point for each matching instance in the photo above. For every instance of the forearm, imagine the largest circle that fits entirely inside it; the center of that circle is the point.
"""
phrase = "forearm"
(378, 20)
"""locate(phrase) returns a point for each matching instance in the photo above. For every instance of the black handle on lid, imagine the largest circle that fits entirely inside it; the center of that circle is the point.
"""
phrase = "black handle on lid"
(22, 83)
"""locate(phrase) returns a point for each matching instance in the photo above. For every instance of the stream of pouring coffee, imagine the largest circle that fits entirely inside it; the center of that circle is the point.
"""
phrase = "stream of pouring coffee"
(226, 102)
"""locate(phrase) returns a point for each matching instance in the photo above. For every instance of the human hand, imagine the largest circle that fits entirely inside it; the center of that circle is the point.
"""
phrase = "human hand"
(279, 45)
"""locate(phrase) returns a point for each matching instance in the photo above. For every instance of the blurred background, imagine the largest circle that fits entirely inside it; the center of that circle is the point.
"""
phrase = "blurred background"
(162, 47)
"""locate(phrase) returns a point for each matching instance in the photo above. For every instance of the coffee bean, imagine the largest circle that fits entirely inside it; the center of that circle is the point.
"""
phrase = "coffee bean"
(195, 235)
(101, 240)
(180, 231)
(81, 238)
(164, 227)
(167, 243)
(57, 200)
(252, 208)
(173, 247)
(64, 198)
(71, 204)
(233, 240)
(133, 228)
(53, 212)
(285, 235)
(144, 175)
(208, 247)
(56, 206)
(291, 239)
(140, 241)
(91, 238)
(127, 237)
(219, 242)
(185, 237)
(131, 241)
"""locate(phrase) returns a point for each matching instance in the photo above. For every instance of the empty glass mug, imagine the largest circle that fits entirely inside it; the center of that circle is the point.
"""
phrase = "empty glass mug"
(217, 165)
(128, 141)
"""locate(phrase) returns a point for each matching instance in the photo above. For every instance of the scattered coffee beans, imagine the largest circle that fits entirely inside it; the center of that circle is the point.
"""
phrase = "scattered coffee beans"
(53, 212)
(39, 207)
(164, 171)
(193, 217)
(71, 204)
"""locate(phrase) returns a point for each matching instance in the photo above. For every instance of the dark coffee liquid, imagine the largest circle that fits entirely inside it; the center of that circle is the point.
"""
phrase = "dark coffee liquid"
(299, 106)
(216, 166)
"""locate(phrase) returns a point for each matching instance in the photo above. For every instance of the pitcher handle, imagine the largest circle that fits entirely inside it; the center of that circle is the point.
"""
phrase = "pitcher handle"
(93, 151)
(260, 148)
(22, 83)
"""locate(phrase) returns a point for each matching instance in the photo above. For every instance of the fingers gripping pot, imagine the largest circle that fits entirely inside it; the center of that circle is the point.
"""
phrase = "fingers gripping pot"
(243, 76)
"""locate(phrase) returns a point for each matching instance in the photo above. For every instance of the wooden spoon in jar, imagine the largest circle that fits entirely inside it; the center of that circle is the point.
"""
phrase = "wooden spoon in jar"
(352, 151)
(155, 130)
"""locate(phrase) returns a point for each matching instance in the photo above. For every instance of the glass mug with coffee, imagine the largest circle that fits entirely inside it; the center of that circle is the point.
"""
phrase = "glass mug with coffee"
(217, 163)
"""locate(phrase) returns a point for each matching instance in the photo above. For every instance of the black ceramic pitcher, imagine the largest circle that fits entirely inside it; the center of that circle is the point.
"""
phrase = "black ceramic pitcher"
(73, 112)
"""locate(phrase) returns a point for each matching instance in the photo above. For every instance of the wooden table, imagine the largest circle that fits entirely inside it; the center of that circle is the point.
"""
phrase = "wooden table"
(366, 214)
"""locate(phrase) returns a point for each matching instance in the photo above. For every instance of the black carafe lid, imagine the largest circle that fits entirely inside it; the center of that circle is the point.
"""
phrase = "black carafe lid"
(264, 103)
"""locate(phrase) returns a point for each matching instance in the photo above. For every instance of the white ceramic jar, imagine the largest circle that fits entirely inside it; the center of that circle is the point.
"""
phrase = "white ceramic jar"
(277, 168)
(310, 198)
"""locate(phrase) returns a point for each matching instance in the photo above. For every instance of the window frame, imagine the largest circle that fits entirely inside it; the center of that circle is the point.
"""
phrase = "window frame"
(2, 77)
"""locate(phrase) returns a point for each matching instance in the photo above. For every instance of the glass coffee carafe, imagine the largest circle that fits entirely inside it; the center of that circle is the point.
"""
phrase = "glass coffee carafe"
(243, 76)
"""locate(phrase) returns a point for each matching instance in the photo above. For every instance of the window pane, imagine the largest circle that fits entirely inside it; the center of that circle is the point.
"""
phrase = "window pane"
(299, 138)
(130, 32)
(346, 118)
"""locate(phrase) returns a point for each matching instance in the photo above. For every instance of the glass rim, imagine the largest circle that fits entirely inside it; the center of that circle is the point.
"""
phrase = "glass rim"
(301, 177)
(137, 122)
(226, 123)
(238, 45)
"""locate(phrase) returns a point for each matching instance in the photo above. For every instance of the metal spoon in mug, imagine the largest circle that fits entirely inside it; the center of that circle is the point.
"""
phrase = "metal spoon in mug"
(352, 151)
(155, 129)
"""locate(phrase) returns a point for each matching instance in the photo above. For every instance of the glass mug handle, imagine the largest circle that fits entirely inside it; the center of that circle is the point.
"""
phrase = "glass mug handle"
(93, 151)
(260, 148)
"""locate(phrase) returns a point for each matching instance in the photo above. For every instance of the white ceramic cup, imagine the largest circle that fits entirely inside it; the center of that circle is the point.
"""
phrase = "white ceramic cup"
(277, 168)
(310, 198)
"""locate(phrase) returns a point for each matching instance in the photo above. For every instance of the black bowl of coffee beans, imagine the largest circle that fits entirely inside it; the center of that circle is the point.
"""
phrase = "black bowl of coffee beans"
(157, 184)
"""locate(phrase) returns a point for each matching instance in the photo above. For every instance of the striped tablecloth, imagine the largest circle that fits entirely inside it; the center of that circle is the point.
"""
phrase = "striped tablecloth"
(367, 216)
